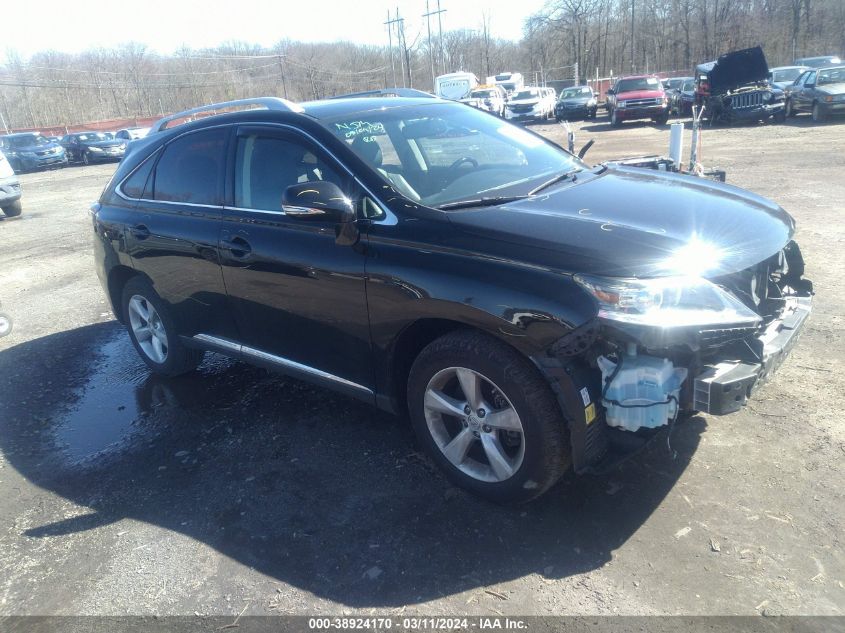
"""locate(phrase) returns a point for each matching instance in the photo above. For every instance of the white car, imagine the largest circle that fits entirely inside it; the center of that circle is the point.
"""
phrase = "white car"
(531, 104)
(10, 189)
(488, 99)
(131, 133)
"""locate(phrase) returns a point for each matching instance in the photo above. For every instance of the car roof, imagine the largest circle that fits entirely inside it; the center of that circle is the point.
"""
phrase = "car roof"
(330, 108)
(638, 77)
(789, 67)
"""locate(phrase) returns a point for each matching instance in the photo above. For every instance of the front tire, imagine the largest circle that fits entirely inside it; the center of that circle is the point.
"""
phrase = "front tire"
(614, 120)
(13, 210)
(487, 417)
(86, 160)
(153, 331)
(819, 115)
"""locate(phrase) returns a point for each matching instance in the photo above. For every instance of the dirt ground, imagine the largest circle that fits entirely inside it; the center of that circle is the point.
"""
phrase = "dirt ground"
(235, 489)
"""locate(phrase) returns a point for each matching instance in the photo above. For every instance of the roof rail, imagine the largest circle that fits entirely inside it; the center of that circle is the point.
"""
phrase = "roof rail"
(388, 92)
(270, 103)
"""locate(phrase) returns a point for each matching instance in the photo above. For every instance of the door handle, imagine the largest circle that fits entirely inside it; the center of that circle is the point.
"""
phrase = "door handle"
(237, 246)
(140, 231)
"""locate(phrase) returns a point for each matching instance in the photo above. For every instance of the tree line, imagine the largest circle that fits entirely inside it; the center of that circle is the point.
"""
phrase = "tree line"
(598, 37)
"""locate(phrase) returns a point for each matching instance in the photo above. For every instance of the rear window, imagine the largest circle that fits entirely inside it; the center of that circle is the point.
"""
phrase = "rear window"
(192, 169)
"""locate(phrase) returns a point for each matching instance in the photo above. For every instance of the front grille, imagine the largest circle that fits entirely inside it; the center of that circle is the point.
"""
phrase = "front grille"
(747, 100)
(713, 338)
(522, 108)
(642, 103)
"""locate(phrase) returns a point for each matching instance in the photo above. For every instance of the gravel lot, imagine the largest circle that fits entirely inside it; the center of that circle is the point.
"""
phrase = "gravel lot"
(235, 489)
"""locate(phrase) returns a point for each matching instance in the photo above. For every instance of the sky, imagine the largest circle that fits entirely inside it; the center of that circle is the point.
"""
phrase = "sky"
(165, 26)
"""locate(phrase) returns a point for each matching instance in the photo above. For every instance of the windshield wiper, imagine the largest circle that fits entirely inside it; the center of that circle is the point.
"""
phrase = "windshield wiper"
(481, 202)
(560, 177)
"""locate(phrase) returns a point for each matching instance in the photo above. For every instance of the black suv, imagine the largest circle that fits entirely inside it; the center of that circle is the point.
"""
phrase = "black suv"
(529, 312)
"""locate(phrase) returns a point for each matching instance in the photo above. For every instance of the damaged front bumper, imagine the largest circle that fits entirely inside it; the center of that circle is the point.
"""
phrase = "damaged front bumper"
(724, 387)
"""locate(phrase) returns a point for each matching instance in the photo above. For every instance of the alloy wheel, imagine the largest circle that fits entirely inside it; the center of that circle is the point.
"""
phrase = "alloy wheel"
(148, 329)
(474, 424)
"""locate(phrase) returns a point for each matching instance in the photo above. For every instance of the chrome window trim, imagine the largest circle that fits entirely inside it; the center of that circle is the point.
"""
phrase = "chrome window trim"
(388, 218)
(239, 348)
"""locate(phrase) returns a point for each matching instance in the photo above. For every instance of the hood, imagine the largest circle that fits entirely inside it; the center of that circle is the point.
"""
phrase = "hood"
(576, 100)
(103, 144)
(736, 69)
(628, 222)
(832, 89)
(640, 94)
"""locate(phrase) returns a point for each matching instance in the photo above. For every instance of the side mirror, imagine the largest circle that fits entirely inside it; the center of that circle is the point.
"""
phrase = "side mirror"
(610, 91)
(323, 202)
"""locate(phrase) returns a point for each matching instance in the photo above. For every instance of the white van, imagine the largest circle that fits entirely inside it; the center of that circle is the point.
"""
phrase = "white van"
(509, 82)
(454, 86)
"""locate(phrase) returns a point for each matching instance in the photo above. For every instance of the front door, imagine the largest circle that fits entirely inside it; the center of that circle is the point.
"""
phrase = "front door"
(298, 296)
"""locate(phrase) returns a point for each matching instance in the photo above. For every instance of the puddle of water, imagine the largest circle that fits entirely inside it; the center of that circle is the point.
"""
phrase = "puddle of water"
(105, 414)
(114, 409)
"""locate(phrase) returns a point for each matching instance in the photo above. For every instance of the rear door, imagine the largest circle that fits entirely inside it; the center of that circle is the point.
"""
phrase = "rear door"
(173, 236)
(298, 296)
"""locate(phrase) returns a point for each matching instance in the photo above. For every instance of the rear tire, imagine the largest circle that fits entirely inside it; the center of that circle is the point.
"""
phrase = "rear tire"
(153, 330)
(487, 417)
(13, 210)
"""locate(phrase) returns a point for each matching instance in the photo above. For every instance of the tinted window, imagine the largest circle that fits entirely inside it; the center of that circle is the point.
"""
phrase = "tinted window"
(135, 185)
(266, 166)
(192, 168)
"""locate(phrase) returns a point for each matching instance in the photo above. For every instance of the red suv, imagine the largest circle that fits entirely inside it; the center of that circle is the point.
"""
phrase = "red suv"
(638, 97)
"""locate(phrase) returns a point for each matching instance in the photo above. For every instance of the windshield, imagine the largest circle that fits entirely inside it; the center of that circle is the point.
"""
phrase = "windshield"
(442, 153)
(26, 141)
(689, 86)
(640, 83)
(581, 91)
(788, 74)
(831, 76)
(527, 94)
(674, 84)
(92, 137)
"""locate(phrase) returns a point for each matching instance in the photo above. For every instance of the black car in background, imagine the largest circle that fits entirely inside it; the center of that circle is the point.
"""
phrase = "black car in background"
(682, 98)
(93, 147)
(820, 92)
(578, 102)
(527, 311)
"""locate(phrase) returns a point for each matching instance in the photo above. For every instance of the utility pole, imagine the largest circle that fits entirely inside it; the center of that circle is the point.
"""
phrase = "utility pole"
(406, 57)
(633, 41)
(389, 24)
(439, 13)
(400, 41)
(282, 72)
(427, 15)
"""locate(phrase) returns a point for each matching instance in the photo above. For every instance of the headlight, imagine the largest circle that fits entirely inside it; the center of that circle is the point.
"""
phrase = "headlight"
(666, 302)
(620, 104)
(767, 97)
(839, 97)
(591, 102)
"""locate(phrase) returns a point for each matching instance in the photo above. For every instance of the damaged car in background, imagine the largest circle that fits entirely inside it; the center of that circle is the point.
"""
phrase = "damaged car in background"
(528, 312)
(736, 88)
